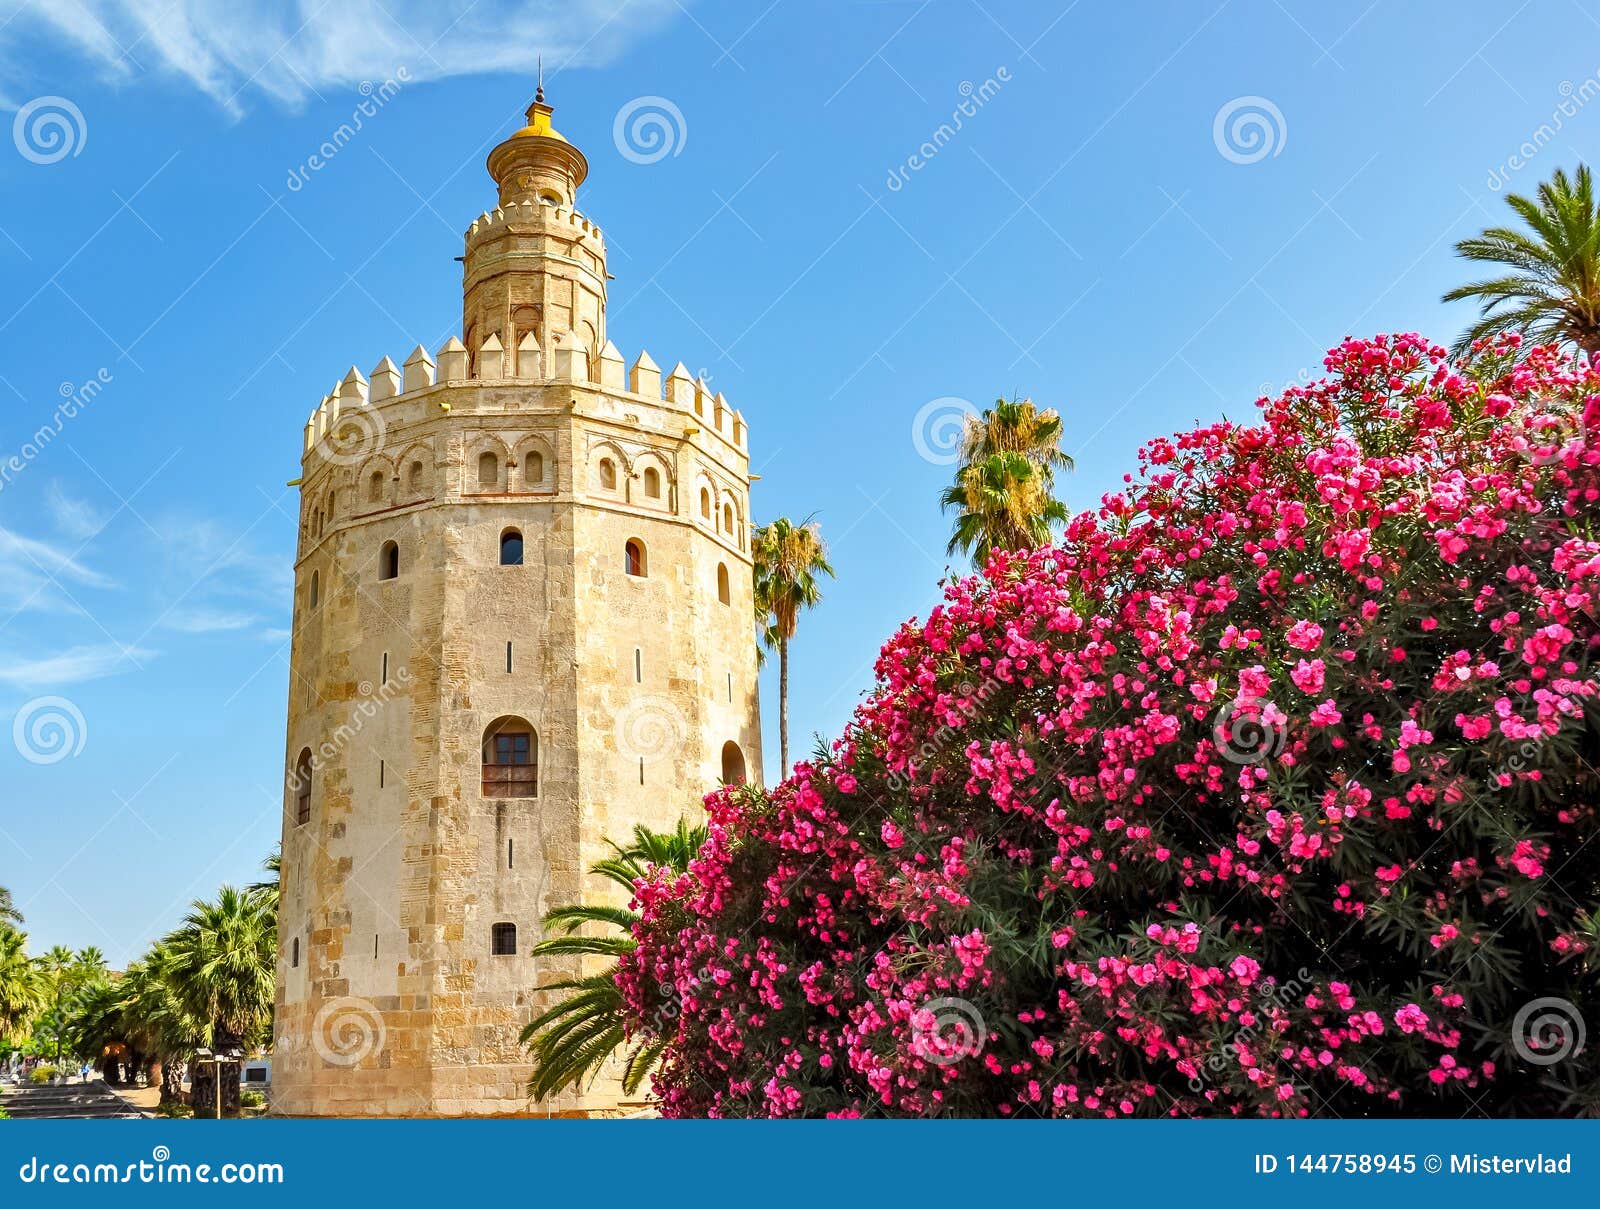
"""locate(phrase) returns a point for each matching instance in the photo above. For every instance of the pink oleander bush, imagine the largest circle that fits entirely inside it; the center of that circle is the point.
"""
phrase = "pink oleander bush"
(1269, 791)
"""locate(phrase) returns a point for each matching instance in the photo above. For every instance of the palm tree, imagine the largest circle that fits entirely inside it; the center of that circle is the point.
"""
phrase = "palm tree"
(1017, 426)
(63, 977)
(1551, 293)
(790, 560)
(222, 966)
(1004, 503)
(141, 1011)
(20, 989)
(9, 915)
(1005, 478)
(574, 1038)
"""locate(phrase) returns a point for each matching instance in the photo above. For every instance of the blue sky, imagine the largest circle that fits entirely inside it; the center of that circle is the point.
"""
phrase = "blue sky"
(1093, 236)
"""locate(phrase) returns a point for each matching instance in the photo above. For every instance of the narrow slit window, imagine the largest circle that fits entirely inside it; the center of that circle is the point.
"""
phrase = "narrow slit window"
(511, 854)
(380, 774)
(508, 657)
(638, 665)
(294, 954)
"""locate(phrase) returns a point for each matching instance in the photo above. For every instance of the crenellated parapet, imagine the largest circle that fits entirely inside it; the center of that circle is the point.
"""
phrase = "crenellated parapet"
(388, 389)
(534, 217)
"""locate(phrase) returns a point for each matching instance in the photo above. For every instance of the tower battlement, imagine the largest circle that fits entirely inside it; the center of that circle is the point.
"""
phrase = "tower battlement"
(523, 625)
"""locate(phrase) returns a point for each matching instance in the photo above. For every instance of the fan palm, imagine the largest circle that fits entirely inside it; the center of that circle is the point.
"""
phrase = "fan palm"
(222, 964)
(63, 977)
(790, 560)
(1017, 426)
(20, 988)
(1003, 502)
(1551, 293)
(1005, 479)
(9, 915)
(574, 1038)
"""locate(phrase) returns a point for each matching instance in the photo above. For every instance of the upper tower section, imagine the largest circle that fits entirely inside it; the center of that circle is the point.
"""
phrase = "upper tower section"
(535, 269)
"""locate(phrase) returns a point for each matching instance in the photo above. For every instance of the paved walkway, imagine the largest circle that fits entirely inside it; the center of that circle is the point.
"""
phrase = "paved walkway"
(85, 1101)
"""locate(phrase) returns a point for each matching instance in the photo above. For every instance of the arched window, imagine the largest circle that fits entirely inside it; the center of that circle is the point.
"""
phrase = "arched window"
(727, 518)
(633, 558)
(533, 468)
(301, 786)
(705, 503)
(414, 478)
(511, 548)
(652, 483)
(732, 764)
(723, 592)
(314, 593)
(608, 474)
(375, 487)
(510, 759)
(488, 470)
(503, 940)
(389, 561)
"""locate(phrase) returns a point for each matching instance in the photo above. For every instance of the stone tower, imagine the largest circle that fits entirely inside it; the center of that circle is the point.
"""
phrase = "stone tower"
(522, 624)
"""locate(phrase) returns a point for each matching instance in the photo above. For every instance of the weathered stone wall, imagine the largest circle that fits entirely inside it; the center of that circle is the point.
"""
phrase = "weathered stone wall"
(397, 1005)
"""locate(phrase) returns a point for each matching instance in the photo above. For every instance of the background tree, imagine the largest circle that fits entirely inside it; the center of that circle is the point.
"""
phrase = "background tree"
(64, 977)
(222, 965)
(574, 1038)
(9, 915)
(1551, 291)
(790, 560)
(1005, 480)
(1003, 503)
(20, 991)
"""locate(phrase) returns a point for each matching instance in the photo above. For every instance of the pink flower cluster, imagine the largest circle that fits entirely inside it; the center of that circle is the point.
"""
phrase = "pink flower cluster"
(1267, 791)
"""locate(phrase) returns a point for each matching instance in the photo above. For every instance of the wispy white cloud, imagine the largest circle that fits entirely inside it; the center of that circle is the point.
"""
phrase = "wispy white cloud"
(29, 556)
(291, 51)
(76, 518)
(207, 621)
(72, 666)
